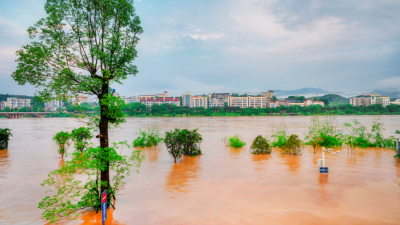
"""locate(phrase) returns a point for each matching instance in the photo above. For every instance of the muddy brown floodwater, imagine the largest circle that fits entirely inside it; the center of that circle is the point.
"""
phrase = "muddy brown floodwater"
(222, 186)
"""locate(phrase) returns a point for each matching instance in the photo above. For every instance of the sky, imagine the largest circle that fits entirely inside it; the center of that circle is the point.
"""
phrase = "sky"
(242, 46)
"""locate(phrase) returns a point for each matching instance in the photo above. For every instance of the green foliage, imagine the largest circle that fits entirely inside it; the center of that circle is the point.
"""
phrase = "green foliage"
(397, 132)
(174, 142)
(358, 136)
(301, 99)
(4, 138)
(324, 133)
(72, 195)
(191, 142)
(81, 136)
(37, 101)
(150, 137)
(279, 137)
(293, 145)
(260, 145)
(63, 140)
(235, 141)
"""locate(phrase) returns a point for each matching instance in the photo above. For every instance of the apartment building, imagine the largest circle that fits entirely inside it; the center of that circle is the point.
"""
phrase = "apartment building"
(221, 96)
(165, 94)
(80, 99)
(297, 103)
(131, 99)
(249, 101)
(215, 102)
(198, 101)
(2, 105)
(383, 100)
(362, 101)
(164, 100)
(268, 94)
(53, 104)
(18, 103)
(186, 99)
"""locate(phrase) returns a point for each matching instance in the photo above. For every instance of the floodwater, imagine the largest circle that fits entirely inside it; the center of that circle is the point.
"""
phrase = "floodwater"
(222, 186)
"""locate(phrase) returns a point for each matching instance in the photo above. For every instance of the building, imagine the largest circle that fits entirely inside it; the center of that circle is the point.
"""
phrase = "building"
(2, 105)
(53, 105)
(361, 101)
(309, 102)
(268, 94)
(383, 100)
(198, 101)
(249, 101)
(186, 99)
(131, 99)
(297, 103)
(395, 103)
(80, 99)
(18, 103)
(165, 94)
(158, 100)
(220, 96)
(215, 102)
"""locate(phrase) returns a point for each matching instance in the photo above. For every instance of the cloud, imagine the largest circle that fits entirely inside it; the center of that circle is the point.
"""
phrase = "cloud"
(392, 82)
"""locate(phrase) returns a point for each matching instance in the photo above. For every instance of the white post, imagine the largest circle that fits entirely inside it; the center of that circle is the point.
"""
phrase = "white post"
(323, 158)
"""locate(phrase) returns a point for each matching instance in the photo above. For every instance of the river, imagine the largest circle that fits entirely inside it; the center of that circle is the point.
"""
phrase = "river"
(222, 186)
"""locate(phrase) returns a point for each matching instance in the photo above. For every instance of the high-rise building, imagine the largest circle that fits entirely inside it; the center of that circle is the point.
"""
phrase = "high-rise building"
(130, 99)
(18, 103)
(198, 101)
(268, 94)
(186, 99)
(164, 100)
(53, 104)
(221, 96)
(383, 100)
(249, 101)
(215, 102)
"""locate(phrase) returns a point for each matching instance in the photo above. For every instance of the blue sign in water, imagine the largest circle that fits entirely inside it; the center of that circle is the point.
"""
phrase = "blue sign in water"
(323, 169)
(104, 206)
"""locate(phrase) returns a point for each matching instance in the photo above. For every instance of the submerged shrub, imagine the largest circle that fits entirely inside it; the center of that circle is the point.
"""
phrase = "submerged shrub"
(63, 140)
(81, 136)
(293, 145)
(174, 142)
(235, 141)
(260, 145)
(191, 142)
(4, 138)
(148, 138)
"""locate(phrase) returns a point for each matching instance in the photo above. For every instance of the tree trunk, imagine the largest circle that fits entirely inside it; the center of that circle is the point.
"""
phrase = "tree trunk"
(104, 143)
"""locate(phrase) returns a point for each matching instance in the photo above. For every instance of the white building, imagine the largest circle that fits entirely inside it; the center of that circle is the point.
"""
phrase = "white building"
(130, 99)
(186, 99)
(164, 100)
(198, 101)
(3, 105)
(215, 102)
(18, 103)
(248, 101)
(54, 104)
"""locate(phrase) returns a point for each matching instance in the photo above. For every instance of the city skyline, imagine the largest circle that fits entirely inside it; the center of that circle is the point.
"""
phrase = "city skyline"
(250, 46)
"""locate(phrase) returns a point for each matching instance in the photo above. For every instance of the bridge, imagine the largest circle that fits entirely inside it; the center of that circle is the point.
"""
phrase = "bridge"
(16, 115)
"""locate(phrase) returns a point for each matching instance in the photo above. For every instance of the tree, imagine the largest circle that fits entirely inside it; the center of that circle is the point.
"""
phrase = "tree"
(260, 145)
(274, 98)
(37, 101)
(191, 142)
(174, 142)
(84, 46)
(293, 145)
(4, 138)
(325, 100)
(63, 140)
(301, 98)
(81, 136)
(60, 109)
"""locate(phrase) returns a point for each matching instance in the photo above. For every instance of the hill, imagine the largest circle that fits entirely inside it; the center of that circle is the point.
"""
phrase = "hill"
(391, 94)
(307, 92)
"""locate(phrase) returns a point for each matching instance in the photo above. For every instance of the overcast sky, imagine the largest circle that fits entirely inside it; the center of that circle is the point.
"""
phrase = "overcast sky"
(243, 45)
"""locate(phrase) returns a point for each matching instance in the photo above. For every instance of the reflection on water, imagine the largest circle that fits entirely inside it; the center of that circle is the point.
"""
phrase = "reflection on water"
(223, 186)
(182, 174)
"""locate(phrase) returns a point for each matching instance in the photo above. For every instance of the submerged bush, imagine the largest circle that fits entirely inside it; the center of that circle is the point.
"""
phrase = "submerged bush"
(260, 145)
(174, 142)
(148, 138)
(191, 142)
(63, 140)
(235, 141)
(324, 133)
(293, 145)
(81, 136)
(4, 138)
